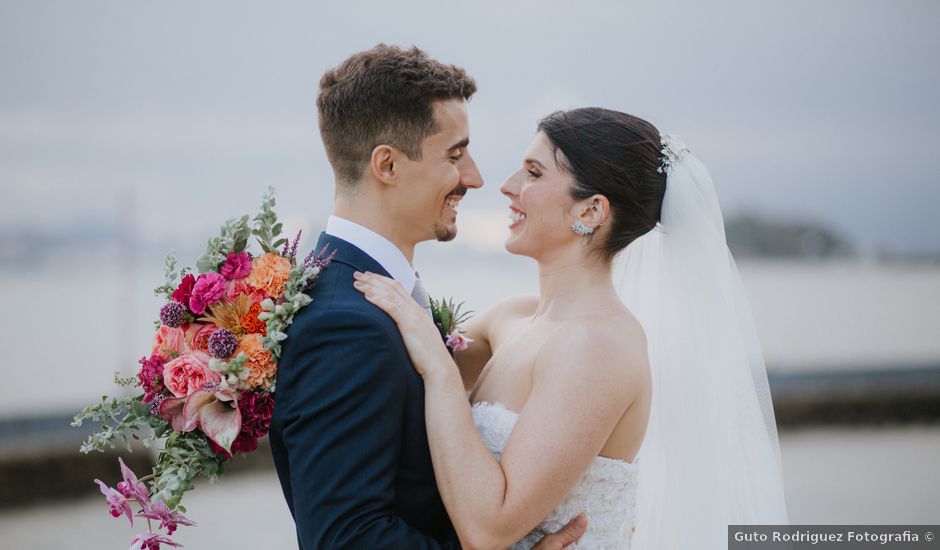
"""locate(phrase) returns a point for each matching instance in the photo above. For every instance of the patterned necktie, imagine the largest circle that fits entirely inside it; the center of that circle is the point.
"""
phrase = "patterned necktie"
(421, 296)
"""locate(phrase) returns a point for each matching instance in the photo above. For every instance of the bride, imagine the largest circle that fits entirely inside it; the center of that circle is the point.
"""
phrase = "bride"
(641, 404)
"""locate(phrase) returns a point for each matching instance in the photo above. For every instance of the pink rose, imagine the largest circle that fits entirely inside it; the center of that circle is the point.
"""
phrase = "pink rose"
(209, 289)
(188, 373)
(197, 336)
(236, 266)
(169, 342)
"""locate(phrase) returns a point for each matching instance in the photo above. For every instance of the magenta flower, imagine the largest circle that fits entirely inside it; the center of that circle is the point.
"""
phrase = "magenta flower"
(236, 266)
(116, 501)
(131, 487)
(151, 541)
(458, 342)
(185, 289)
(168, 518)
(150, 377)
(257, 409)
(209, 289)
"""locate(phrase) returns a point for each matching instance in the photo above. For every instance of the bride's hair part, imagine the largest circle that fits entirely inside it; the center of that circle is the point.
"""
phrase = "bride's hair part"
(384, 95)
(616, 155)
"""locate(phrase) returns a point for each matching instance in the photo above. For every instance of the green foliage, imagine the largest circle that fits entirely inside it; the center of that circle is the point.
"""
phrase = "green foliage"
(267, 228)
(125, 382)
(278, 317)
(185, 456)
(447, 316)
(123, 419)
(233, 237)
(169, 276)
(233, 372)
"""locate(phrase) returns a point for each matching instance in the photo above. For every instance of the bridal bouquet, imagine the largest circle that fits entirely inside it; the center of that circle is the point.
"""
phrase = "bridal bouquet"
(206, 389)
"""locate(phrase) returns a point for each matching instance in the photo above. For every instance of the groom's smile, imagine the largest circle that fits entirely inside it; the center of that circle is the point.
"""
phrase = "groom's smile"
(453, 199)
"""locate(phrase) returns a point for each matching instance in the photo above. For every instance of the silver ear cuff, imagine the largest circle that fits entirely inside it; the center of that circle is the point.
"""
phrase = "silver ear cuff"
(581, 229)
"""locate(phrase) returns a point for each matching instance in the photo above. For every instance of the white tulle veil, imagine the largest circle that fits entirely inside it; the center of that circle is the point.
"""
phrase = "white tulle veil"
(711, 455)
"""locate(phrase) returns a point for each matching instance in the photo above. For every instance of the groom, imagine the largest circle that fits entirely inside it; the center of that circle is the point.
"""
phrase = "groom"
(348, 433)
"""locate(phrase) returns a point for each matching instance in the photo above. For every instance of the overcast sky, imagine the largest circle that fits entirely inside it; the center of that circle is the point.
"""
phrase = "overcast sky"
(824, 110)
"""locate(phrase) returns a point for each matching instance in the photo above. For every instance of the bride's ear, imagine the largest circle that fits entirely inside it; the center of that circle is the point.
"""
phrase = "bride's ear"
(592, 211)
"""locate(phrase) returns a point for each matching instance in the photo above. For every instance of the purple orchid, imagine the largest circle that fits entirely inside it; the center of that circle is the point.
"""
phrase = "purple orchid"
(151, 541)
(169, 519)
(214, 411)
(133, 488)
(116, 501)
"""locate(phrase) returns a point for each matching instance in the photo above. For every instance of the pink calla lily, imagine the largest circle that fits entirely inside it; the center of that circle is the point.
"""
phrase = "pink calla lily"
(214, 412)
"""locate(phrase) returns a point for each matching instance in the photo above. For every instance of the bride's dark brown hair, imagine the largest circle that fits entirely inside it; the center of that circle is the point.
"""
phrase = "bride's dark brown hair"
(616, 155)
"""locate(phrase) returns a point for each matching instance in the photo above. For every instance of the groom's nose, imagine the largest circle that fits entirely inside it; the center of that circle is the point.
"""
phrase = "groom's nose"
(469, 174)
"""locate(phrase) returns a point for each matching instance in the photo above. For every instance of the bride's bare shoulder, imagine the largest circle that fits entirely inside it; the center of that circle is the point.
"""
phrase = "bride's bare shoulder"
(489, 324)
(520, 304)
(607, 346)
(513, 307)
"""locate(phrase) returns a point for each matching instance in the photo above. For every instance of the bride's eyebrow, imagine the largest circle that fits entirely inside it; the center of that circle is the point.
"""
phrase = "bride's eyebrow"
(535, 162)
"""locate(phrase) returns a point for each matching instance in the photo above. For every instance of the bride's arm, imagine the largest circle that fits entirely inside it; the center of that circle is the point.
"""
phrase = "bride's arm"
(578, 395)
(583, 383)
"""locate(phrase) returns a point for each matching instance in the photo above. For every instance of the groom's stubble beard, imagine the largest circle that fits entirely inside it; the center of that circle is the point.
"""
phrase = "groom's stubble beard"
(442, 232)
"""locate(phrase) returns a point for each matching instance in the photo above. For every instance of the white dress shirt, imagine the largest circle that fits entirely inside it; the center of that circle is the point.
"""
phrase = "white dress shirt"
(378, 247)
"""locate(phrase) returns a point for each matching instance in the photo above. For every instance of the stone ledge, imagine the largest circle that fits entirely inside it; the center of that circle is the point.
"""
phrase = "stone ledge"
(40, 461)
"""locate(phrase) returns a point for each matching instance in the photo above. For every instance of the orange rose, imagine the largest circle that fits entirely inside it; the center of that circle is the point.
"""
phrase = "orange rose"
(260, 363)
(269, 273)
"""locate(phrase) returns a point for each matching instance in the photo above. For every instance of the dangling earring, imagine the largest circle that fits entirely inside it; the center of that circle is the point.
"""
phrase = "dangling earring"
(581, 229)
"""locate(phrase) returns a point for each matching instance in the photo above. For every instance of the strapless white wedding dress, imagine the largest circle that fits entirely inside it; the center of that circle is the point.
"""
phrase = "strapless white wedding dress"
(606, 495)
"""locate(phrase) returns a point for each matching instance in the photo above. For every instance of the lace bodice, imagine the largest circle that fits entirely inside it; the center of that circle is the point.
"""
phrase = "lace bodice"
(606, 494)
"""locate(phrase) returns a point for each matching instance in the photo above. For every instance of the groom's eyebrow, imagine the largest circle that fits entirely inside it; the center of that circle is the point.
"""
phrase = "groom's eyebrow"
(459, 145)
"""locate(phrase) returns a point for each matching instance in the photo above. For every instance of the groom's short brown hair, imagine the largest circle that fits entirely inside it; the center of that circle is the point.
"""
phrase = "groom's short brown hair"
(384, 95)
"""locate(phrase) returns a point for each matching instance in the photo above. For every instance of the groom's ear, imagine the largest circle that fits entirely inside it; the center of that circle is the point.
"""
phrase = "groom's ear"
(384, 164)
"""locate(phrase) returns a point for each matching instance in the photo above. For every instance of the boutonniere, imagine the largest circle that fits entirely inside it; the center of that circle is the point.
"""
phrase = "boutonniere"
(448, 318)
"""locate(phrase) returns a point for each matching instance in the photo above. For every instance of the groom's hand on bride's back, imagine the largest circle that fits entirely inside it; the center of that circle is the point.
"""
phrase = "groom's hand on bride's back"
(569, 534)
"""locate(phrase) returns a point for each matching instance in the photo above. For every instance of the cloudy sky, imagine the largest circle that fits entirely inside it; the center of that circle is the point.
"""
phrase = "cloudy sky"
(802, 109)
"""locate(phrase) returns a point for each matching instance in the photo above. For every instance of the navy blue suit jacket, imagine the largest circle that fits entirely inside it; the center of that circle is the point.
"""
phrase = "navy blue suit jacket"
(348, 433)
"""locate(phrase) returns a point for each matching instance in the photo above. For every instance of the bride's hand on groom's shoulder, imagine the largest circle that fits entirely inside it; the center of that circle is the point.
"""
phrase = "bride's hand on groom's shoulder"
(421, 337)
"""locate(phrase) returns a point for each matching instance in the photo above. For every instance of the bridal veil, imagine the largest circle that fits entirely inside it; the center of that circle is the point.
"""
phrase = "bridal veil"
(711, 455)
